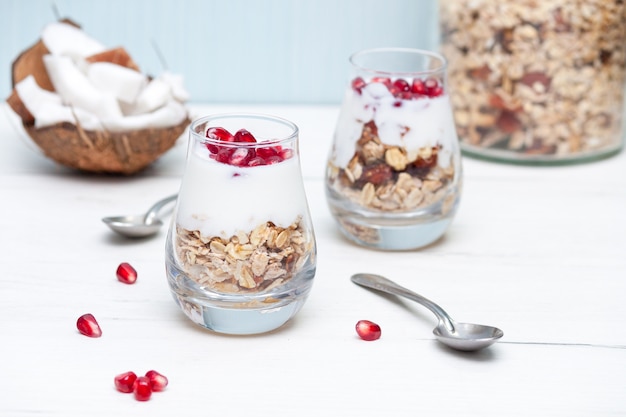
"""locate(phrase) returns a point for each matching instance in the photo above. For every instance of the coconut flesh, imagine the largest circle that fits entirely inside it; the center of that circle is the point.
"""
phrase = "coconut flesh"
(69, 78)
(98, 95)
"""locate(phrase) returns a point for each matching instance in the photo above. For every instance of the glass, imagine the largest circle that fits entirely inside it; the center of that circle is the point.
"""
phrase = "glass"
(536, 83)
(241, 252)
(393, 178)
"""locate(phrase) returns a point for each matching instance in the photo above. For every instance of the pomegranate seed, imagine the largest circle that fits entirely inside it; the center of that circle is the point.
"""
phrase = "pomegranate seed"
(418, 87)
(241, 156)
(399, 86)
(357, 84)
(124, 382)
(87, 325)
(432, 87)
(273, 160)
(219, 133)
(126, 273)
(223, 155)
(397, 103)
(266, 152)
(368, 330)
(158, 381)
(256, 161)
(142, 388)
(382, 80)
(285, 154)
(243, 135)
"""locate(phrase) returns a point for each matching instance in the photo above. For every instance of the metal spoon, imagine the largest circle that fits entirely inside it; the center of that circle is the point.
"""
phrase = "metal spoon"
(459, 336)
(140, 225)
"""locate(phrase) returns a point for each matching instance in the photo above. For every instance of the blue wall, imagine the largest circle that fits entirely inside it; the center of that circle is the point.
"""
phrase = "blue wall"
(247, 51)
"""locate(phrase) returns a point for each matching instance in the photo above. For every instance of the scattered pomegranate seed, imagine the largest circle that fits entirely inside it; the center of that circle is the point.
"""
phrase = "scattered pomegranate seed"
(87, 325)
(142, 388)
(256, 161)
(368, 330)
(126, 273)
(125, 382)
(242, 135)
(267, 152)
(223, 155)
(158, 381)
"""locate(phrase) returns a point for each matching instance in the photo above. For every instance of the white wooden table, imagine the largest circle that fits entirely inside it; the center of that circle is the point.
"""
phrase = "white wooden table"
(538, 252)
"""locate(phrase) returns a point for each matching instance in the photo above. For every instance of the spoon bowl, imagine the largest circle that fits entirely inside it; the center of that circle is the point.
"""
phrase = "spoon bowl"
(460, 336)
(139, 225)
(133, 226)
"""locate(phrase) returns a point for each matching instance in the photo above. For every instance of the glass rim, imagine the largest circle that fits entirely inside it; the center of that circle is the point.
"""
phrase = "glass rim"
(443, 63)
(204, 120)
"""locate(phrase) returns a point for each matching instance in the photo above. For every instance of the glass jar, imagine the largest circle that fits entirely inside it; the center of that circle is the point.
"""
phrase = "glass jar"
(393, 177)
(241, 253)
(536, 82)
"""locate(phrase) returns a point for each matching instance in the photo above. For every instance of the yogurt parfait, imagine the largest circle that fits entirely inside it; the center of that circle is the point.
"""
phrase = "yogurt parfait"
(241, 249)
(393, 174)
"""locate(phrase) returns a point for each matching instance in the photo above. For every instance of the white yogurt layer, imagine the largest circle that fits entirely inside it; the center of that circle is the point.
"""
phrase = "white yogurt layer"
(220, 199)
(415, 124)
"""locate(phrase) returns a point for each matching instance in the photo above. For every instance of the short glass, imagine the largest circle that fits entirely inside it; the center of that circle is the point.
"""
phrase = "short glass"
(393, 178)
(241, 252)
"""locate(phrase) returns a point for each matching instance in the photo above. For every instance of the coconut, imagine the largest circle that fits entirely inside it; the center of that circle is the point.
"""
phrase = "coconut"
(89, 107)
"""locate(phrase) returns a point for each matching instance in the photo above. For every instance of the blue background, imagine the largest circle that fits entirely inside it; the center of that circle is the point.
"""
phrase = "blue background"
(233, 51)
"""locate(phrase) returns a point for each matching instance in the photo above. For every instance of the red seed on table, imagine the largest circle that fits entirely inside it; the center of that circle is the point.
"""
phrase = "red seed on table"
(158, 381)
(142, 388)
(125, 382)
(126, 273)
(87, 325)
(368, 330)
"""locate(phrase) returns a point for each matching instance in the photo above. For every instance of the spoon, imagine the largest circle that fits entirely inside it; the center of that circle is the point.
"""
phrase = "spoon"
(141, 225)
(460, 336)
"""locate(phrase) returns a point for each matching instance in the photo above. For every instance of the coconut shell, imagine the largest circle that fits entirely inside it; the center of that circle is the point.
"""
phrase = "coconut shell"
(31, 62)
(117, 56)
(104, 152)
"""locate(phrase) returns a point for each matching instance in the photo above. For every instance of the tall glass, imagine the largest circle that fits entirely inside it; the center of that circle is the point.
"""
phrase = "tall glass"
(241, 253)
(393, 178)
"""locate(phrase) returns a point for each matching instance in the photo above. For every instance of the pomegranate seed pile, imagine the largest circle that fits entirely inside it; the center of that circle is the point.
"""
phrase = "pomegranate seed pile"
(402, 89)
(244, 156)
(143, 386)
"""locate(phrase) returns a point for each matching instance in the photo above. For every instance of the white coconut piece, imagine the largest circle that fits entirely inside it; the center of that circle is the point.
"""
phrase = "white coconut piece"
(34, 96)
(77, 91)
(171, 114)
(124, 83)
(176, 82)
(52, 113)
(64, 39)
(153, 96)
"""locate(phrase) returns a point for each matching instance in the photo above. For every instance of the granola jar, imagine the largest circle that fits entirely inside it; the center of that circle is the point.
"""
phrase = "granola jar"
(536, 82)
(240, 252)
(393, 176)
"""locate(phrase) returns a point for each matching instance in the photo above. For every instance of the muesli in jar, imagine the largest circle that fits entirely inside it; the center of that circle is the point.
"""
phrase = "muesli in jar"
(536, 80)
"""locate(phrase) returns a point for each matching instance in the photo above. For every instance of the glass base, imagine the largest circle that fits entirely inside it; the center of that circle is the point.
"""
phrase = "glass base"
(519, 158)
(237, 314)
(391, 231)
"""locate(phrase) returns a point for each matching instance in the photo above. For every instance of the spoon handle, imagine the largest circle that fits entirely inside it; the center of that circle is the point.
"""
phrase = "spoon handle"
(154, 210)
(383, 284)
